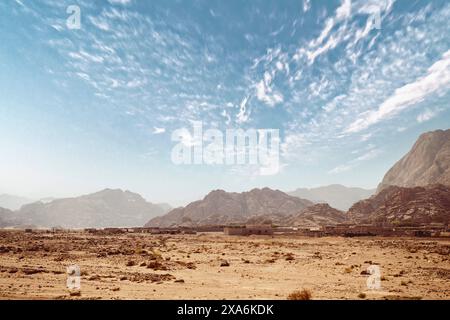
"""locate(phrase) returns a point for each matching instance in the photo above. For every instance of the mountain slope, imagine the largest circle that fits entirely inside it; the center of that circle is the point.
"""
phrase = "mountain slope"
(107, 208)
(6, 216)
(428, 162)
(220, 207)
(336, 195)
(399, 205)
(320, 214)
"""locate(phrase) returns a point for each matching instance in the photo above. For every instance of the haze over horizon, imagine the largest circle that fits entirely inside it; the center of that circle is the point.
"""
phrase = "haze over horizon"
(94, 108)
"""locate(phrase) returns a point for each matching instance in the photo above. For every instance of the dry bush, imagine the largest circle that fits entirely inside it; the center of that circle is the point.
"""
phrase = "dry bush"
(304, 294)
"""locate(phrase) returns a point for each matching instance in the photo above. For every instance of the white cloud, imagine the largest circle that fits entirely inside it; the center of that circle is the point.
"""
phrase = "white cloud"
(341, 168)
(306, 5)
(437, 78)
(243, 116)
(136, 83)
(100, 23)
(264, 93)
(119, 1)
(157, 130)
(371, 154)
(426, 115)
(345, 10)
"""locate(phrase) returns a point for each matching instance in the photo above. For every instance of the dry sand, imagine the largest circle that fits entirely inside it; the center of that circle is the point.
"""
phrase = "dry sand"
(134, 266)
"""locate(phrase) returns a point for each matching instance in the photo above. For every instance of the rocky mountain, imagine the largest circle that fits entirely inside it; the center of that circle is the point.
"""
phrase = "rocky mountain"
(107, 208)
(320, 214)
(428, 162)
(6, 216)
(220, 207)
(13, 202)
(399, 205)
(338, 196)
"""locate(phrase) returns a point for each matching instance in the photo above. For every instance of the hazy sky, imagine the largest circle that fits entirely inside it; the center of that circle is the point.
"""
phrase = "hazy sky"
(349, 84)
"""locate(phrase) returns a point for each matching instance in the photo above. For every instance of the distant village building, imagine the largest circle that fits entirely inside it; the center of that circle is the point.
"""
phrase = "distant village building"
(248, 230)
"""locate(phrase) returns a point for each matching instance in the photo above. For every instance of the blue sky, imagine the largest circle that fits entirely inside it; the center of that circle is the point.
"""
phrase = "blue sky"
(89, 108)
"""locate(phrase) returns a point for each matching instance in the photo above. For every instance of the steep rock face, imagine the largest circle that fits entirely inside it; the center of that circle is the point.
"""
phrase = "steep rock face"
(220, 207)
(338, 196)
(428, 162)
(317, 215)
(399, 205)
(107, 208)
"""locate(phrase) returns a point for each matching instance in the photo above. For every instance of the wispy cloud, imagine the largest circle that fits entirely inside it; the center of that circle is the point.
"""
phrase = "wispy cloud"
(322, 73)
(437, 78)
(369, 153)
(427, 115)
(157, 130)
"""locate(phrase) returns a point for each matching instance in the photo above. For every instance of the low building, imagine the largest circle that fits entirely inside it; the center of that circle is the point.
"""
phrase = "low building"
(114, 230)
(248, 230)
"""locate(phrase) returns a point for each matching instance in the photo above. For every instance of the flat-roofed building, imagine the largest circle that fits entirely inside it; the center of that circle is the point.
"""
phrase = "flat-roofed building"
(247, 230)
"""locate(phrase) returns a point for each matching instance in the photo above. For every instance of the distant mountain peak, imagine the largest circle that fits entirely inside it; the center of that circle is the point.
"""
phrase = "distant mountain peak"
(105, 208)
(221, 207)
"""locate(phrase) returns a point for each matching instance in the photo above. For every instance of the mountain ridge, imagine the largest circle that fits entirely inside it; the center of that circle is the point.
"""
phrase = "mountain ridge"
(105, 208)
(221, 207)
(401, 205)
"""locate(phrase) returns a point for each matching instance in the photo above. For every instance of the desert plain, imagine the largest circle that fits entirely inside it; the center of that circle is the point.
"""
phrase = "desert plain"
(218, 266)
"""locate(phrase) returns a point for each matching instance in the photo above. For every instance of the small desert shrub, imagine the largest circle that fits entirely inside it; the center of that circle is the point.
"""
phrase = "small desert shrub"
(362, 295)
(304, 294)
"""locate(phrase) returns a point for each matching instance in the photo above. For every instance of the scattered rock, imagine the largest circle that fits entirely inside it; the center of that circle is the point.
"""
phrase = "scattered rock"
(13, 270)
(155, 265)
(29, 271)
(130, 263)
(290, 257)
(94, 277)
(224, 263)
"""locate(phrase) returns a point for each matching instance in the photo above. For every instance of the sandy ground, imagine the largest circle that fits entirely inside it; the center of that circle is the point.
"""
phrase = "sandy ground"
(33, 266)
